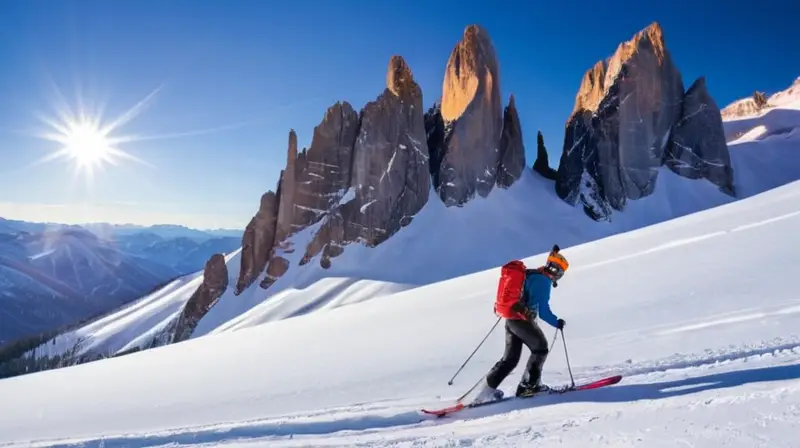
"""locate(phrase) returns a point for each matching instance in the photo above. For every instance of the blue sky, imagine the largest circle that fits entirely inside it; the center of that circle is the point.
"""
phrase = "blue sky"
(232, 77)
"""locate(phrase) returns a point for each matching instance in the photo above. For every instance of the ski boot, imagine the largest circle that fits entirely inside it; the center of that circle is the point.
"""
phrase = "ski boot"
(528, 390)
(487, 394)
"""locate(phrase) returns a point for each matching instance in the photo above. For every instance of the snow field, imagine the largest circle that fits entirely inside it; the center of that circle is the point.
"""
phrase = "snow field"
(701, 317)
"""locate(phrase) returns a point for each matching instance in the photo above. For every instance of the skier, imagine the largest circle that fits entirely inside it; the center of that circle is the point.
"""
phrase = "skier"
(523, 294)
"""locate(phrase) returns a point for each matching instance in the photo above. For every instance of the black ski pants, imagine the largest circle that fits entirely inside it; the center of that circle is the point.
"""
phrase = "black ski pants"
(519, 332)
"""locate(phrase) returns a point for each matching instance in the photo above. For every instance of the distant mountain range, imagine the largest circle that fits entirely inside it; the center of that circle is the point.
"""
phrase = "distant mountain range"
(52, 275)
(105, 229)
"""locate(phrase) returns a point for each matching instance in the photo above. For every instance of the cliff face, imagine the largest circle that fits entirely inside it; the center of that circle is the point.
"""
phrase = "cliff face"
(257, 241)
(367, 174)
(511, 158)
(472, 112)
(542, 163)
(364, 177)
(313, 181)
(619, 131)
(697, 147)
(215, 282)
(390, 175)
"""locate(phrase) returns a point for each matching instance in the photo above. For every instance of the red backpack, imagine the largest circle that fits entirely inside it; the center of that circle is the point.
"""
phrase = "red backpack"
(509, 290)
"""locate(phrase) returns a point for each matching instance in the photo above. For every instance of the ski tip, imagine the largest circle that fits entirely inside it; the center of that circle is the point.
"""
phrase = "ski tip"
(608, 381)
(444, 411)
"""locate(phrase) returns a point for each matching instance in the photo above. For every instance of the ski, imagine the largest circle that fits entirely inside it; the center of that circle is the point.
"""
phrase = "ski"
(555, 391)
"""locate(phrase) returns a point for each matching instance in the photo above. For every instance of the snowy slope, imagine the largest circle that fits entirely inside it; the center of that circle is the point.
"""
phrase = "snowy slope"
(533, 217)
(700, 313)
(767, 143)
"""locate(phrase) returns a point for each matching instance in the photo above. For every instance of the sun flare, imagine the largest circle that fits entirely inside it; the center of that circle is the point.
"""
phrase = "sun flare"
(87, 145)
(86, 139)
(90, 141)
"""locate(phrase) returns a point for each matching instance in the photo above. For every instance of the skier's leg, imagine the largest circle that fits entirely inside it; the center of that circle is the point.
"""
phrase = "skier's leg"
(509, 360)
(533, 372)
(501, 369)
(532, 336)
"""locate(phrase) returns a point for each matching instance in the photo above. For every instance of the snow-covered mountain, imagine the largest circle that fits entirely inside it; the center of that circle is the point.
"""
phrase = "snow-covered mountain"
(122, 231)
(58, 277)
(184, 255)
(759, 104)
(700, 314)
(54, 276)
(348, 209)
(13, 226)
(164, 231)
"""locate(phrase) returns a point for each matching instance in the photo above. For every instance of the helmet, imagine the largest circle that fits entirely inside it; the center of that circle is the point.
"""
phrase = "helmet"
(556, 264)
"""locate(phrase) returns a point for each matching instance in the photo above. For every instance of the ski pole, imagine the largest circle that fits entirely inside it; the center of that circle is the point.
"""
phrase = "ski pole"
(567, 356)
(450, 383)
(555, 336)
(458, 400)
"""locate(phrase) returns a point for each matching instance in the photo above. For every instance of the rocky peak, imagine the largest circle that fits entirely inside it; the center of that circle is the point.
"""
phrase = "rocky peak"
(592, 88)
(649, 39)
(542, 163)
(614, 146)
(391, 175)
(319, 179)
(512, 150)
(471, 109)
(697, 147)
(215, 282)
(648, 42)
(471, 73)
(257, 241)
(286, 191)
(399, 79)
(436, 133)
(742, 108)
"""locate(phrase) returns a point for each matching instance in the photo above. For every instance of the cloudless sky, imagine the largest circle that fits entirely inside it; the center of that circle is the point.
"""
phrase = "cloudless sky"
(232, 77)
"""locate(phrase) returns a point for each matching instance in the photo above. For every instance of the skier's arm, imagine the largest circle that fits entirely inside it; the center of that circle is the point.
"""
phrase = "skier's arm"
(546, 313)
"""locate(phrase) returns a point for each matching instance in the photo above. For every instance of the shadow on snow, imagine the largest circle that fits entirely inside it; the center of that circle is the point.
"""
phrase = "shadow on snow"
(614, 394)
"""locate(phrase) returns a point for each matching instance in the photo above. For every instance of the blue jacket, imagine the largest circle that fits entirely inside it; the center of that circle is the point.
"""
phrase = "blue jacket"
(536, 293)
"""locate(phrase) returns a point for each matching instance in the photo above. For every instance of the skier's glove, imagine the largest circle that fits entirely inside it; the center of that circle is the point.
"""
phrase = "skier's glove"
(561, 323)
(520, 308)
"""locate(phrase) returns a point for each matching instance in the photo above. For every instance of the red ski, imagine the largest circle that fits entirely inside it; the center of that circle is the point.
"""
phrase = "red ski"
(555, 391)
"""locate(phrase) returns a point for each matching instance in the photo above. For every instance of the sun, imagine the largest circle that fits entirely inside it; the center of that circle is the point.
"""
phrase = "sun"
(87, 145)
(86, 139)
(90, 142)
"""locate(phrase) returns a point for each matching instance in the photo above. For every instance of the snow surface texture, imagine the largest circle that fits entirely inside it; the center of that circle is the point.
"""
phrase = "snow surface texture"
(527, 218)
(701, 315)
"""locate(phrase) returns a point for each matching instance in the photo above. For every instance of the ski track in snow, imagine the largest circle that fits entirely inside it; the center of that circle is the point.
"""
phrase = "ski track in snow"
(685, 381)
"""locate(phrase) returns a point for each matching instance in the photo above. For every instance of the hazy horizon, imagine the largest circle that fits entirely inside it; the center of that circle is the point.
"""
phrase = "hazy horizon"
(35, 215)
